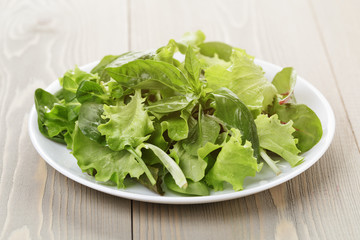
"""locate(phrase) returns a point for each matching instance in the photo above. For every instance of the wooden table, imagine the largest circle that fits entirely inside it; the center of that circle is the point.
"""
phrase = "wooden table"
(40, 40)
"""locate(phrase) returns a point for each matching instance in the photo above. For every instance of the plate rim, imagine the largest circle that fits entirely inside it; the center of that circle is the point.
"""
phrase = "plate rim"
(193, 199)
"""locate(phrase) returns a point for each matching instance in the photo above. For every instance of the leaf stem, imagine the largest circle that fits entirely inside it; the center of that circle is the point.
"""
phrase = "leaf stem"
(170, 165)
(142, 164)
(270, 162)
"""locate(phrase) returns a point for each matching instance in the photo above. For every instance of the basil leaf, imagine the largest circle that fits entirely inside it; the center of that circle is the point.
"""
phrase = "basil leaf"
(89, 120)
(150, 74)
(168, 105)
(234, 114)
(89, 91)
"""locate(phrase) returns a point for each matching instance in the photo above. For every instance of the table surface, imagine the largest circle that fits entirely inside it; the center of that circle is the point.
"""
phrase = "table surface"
(40, 40)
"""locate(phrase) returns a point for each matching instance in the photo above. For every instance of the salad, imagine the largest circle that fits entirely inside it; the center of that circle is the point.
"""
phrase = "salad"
(186, 117)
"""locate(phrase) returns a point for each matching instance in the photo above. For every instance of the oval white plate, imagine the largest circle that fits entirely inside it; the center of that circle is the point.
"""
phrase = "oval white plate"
(60, 158)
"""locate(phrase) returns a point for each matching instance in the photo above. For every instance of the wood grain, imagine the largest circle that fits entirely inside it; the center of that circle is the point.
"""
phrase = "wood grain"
(39, 41)
(320, 203)
(339, 28)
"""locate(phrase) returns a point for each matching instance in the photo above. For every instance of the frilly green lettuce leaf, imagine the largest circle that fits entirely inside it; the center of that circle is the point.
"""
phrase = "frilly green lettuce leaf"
(104, 162)
(128, 125)
(245, 79)
(234, 163)
(190, 39)
(220, 49)
(277, 137)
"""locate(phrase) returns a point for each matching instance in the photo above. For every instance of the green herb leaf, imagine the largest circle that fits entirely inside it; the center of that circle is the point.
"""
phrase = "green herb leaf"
(234, 163)
(89, 120)
(193, 188)
(220, 49)
(245, 79)
(128, 125)
(278, 138)
(89, 91)
(108, 164)
(305, 121)
(234, 114)
(150, 74)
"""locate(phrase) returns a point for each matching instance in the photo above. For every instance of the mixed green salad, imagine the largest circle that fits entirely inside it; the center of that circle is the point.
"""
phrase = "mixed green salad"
(186, 117)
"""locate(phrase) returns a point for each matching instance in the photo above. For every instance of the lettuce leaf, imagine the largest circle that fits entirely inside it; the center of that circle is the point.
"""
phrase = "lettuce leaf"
(234, 163)
(193, 188)
(105, 163)
(278, 138)
(245, 79)
(128, 125)
(285, 81)
(305, 121)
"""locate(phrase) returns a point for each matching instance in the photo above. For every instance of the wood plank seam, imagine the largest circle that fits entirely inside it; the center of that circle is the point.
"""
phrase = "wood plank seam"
(326, 51)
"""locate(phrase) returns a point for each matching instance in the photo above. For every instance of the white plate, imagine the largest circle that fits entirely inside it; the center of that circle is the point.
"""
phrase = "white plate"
(60, 158)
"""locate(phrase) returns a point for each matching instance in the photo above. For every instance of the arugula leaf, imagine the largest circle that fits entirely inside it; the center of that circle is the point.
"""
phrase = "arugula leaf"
(278, 138)
(305, 121)
(234, 114)
(150, 74)
(234, 162)
(128, 125)
(108, 164)
(193, 188)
